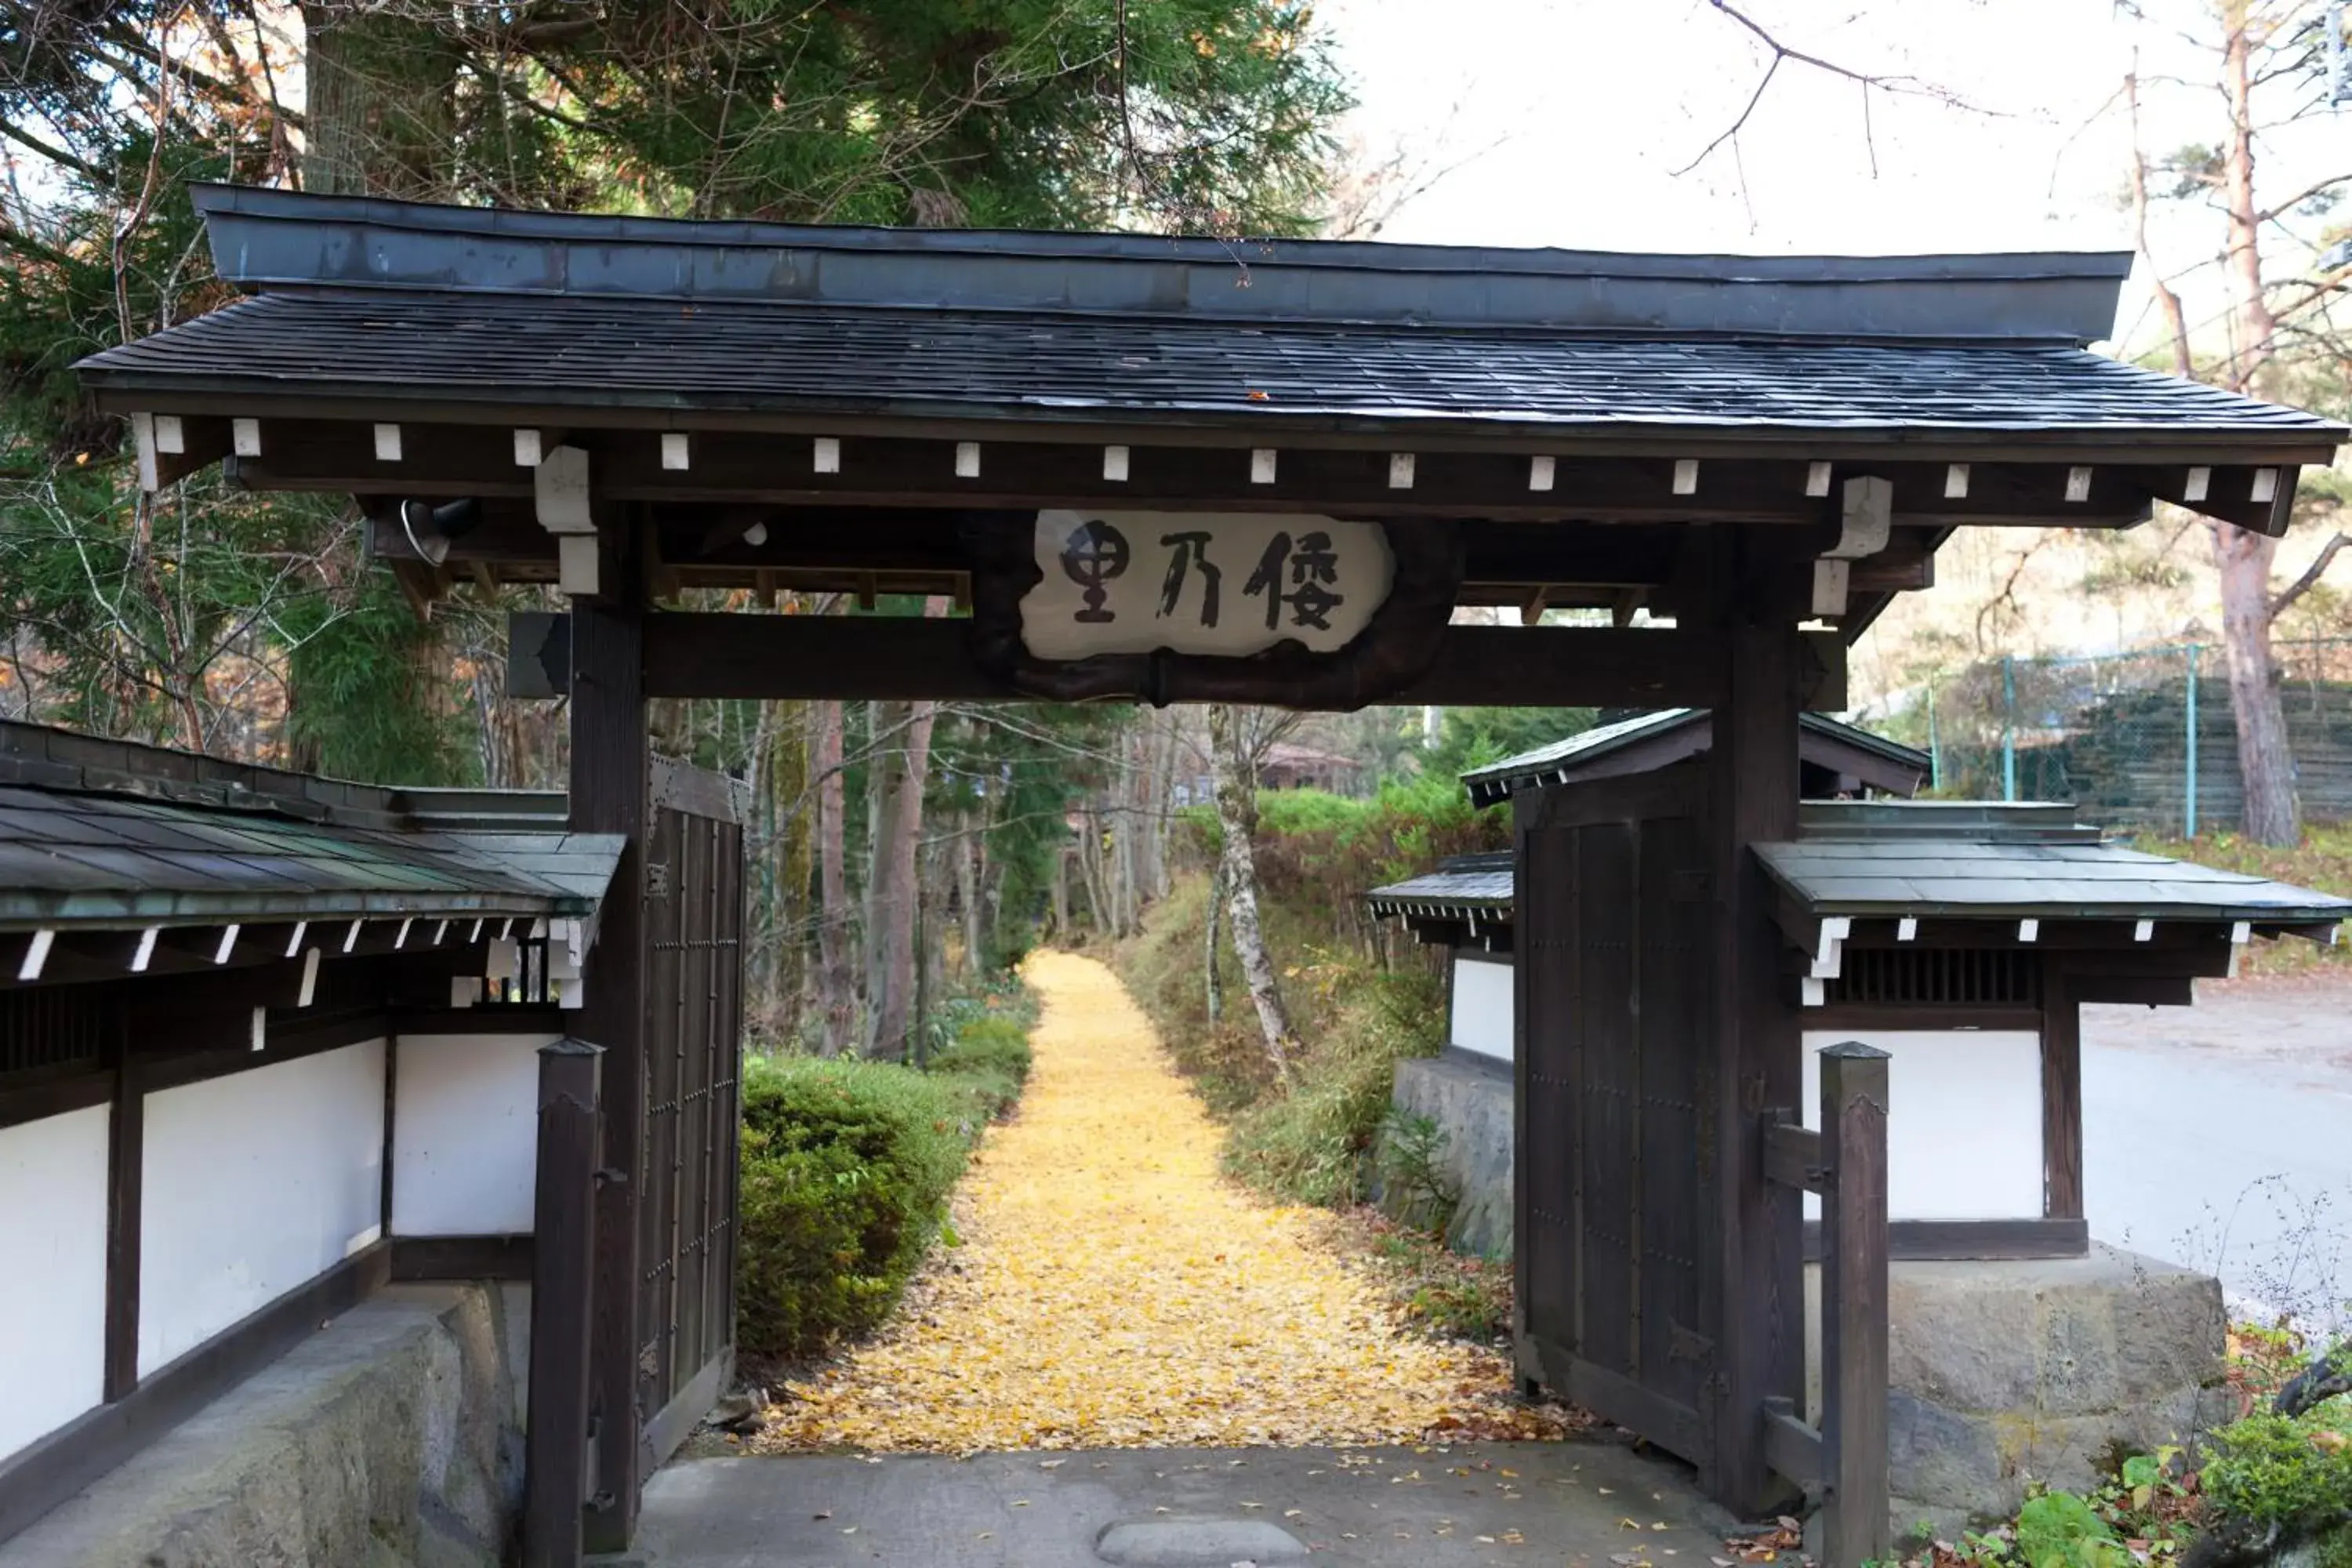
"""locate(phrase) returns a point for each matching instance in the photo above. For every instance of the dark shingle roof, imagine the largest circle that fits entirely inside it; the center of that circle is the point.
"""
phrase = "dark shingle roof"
(1496, 781)
(77, 858)
(747, 357)
(1963, 880)
(1463, 884)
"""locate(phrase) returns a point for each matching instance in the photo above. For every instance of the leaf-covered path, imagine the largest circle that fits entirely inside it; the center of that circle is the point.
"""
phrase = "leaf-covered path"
(1113, 1290)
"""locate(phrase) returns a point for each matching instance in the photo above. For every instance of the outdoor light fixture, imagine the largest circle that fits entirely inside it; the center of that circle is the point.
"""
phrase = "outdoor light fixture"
(430, 528)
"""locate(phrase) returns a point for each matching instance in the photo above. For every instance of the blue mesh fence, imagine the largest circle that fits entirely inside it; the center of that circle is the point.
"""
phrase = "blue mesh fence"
(2145, 740)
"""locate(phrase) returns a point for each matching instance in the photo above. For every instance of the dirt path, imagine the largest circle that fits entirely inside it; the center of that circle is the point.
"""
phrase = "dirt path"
(1112, 1289)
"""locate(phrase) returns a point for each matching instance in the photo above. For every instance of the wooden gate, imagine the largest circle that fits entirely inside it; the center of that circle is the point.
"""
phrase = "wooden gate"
(694, 1015)
(1616, 1212)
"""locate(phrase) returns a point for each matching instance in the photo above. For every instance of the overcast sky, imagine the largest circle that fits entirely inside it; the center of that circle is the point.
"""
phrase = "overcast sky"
(1575, 116)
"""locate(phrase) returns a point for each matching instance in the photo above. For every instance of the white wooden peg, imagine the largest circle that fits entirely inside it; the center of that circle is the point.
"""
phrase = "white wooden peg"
(1956, 482)
(1686, 476)
(1817, 479)
(37, 955)
(2028, 930)
(575, 562)
(2266, 485)
(527, 448)
(351, 937)
(387, 443)
(294, 942)
(2200, 481)
(1539, 473)
(1906, 929)
(228, 945)
(171, 434)
(678, 451)
(142, 441)
(824, 455)
(309, 977)
(1115, 465)
(967, 459)
(146, 952)
(400, 937)
(560, 492)
(1262, 466)
(2143, 931)
(1400, 470)
(2078, 484)
(244, 438)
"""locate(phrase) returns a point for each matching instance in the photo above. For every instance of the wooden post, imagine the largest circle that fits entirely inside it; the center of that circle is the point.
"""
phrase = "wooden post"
(2061, 1096)
(1855, 1528)
(125, 1161)
(610, 794)
(563, 1226)
(1757, 1277)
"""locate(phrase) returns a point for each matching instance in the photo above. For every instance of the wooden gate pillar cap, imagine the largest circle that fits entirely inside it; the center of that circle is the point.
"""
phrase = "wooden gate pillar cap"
(1855, 1050)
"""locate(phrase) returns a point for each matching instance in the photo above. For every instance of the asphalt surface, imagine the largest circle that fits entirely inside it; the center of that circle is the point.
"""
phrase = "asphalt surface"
(1587, 1504)
(2220, 1136)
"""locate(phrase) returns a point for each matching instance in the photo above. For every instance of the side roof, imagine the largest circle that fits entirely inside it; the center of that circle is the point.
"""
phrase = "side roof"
(104, 833)
(1576, 755)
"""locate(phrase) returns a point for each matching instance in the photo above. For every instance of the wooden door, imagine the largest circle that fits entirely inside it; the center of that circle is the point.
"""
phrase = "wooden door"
(1616, 1195)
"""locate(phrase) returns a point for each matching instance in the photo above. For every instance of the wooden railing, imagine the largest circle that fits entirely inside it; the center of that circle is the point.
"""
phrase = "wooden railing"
(1845, 1457)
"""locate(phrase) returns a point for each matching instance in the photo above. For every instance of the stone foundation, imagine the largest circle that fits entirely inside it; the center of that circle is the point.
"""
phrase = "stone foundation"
(393, 1438)
(2036, 1370)
(1470, 1099)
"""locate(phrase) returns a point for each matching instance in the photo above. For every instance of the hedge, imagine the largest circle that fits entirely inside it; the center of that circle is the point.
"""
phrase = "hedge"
(846, 1168)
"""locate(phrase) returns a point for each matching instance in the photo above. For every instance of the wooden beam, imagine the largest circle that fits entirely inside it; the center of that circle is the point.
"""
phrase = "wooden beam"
(1854, 1308)
(609, 794)
(2061, 1099)
(563, 1212)
(910, 659)
(1323, 474)
(1754, 1270)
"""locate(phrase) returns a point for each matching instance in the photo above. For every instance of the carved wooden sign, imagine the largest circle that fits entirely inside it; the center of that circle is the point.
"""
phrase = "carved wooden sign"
(1278, 608)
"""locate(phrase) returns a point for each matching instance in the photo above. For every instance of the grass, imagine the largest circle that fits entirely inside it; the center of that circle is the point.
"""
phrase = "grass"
(1437, 1289)
(2322, 862)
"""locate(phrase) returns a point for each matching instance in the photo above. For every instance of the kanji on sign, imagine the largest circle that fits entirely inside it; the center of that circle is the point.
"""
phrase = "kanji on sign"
(1191, 552)
(1312, 568)
(1138, 582)
(1095, 553)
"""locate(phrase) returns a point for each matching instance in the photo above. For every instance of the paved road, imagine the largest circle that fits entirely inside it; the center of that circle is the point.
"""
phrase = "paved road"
(2221, 1136)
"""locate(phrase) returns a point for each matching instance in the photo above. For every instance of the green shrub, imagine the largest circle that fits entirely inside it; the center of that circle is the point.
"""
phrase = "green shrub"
(1309, 1144)
(986, 1065)
(846, 1166)
(2282, 1472)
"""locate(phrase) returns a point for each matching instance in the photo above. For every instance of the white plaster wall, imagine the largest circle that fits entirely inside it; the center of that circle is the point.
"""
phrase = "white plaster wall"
(52, 1272)
(1963, 1120)
(1482, 1007)
(465, 1133)
(255, 1184)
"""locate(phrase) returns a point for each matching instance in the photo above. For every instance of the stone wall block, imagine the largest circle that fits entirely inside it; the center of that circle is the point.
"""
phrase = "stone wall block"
(386, 1438)
(1472, 1104)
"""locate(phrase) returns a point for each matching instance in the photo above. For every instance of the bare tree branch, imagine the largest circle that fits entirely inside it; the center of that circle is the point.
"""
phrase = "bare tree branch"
(2311, 575)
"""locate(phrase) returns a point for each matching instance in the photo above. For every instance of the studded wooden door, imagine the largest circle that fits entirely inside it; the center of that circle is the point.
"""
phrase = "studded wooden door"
(1616, 1210)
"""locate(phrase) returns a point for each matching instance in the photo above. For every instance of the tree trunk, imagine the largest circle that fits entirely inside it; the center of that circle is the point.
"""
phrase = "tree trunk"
(967, 864)
(835, 998)
(890, 929)
(1062, 894)
(1237, 820)
(2265, 764)
(1213, 983)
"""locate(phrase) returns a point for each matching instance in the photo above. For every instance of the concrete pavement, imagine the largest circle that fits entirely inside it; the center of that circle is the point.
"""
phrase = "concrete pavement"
(1588, 1504)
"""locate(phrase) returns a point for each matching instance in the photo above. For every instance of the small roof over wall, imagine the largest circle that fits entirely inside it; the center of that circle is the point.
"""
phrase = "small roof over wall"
(1941, 873)
(1964, 862)
(1652, 741)
(103, 834)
